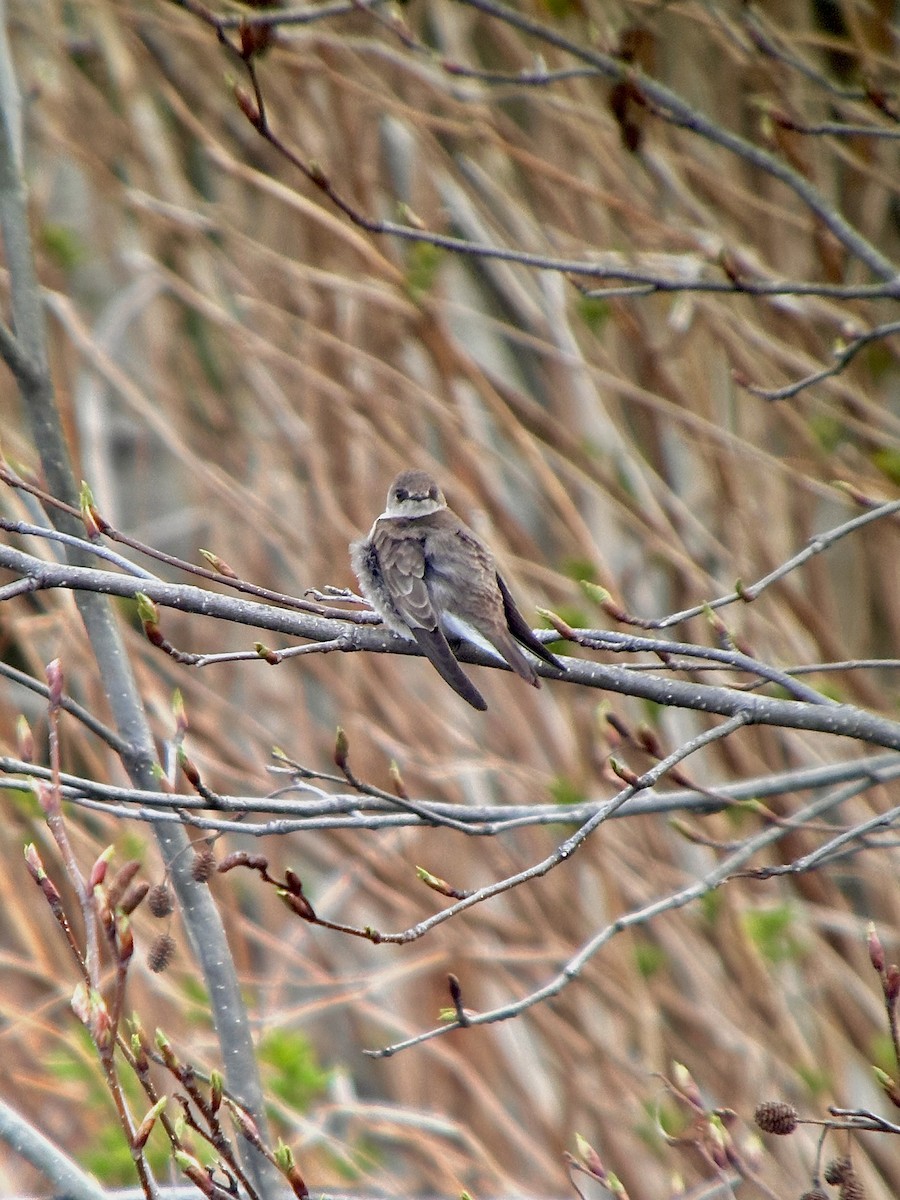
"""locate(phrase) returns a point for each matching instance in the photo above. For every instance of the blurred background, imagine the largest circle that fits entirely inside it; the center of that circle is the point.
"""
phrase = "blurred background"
(243, 369)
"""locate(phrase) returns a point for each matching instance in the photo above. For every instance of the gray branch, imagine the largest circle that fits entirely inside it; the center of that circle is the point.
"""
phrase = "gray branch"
(66, 1176)
(24, 349)
(840, 719)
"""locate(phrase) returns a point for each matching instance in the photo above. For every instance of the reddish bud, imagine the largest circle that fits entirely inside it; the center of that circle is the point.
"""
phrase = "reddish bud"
(94, 523)
(565, 631)
(397, 781)
(121, 881)
(98, 870)
(48, 798)
(244, 1121)
(341, 750)
(619, 726)
(216, 1091)
(190, 772)
(624, 772)
(684, 1082)
(125, 937)
(876, 950)
(292, 881)
(42, 879)
(590, 1159)
(455, 990)
(34, 864)
(197, 1174)
(134, 897)
(298, 904)
(219, 565)
(90, 1008)
(54, 675)
(146, 1126)
(649, 741)
(241, 858)
(437, 884)
(164, 1046)
(179, 713)
(254, 39)
(24, 740)
(91, 524)
(246, 104)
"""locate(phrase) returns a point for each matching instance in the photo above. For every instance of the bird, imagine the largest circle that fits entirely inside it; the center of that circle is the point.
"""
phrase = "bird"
(430, 577)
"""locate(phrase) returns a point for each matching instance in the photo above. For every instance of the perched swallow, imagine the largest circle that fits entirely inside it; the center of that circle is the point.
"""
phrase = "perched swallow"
(428, 576)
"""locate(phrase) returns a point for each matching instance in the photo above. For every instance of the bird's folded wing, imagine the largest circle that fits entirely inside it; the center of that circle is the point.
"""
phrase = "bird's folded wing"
(403, 563)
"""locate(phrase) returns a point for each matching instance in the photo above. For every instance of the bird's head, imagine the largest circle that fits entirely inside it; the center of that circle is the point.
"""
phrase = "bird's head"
(414, 494)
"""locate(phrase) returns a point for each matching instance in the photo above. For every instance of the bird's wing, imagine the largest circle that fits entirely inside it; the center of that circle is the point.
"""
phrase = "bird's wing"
(521, 630)
(401, 557)
(403, 563)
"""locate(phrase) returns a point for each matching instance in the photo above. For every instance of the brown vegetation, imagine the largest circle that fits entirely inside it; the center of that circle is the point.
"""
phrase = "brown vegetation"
(242, 366)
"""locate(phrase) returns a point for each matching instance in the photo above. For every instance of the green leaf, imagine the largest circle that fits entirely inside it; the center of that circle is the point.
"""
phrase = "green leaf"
(422, 266)
(649, 957)
(887, 462)
(772, 932)
(828, 431)
(565, 791)
(594, 311)
(296, 1077)
(63, 245)
(579, 569)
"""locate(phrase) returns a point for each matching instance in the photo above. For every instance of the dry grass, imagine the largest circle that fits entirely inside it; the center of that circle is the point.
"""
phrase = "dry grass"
(243, 369)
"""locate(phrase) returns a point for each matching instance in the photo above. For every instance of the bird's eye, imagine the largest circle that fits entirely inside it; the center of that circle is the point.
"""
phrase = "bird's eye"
(402, 494)
(432, 493)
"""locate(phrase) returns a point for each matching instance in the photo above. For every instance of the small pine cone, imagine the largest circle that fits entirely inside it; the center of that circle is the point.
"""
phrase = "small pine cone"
(161, 953)
(204, 865)
(159, 900)
(815, 1193)
(851, 1188)
(838, 1170)
(774, 1116)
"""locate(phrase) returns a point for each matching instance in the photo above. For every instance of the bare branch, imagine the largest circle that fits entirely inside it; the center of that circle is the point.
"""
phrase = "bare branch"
(721, 874)
(842, 359)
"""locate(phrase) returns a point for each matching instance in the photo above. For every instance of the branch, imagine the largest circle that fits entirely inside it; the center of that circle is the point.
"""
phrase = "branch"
(201, 917)
(725, 870)
(666, 104)
(672, 108)
(841, 719)
(748, 592)
(67, 1177)
(842, 359)
(323, 810)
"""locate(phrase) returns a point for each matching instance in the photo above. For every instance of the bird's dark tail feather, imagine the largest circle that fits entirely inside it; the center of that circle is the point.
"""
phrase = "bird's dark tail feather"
(437, 650)
(521, 630)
